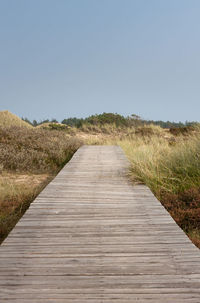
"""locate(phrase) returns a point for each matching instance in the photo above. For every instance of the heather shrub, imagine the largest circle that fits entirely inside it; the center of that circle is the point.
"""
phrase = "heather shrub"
(35, 150)
(24, 151)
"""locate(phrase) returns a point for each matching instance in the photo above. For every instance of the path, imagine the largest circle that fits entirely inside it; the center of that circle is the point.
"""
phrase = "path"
(92, 237)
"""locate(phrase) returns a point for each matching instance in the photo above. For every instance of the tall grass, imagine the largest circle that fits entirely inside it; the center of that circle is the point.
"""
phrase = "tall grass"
(165, 166)
(169, 164)
(14, 201)
(172, 171)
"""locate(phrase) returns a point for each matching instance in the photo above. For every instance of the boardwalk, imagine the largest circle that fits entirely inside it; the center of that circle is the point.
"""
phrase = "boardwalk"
(92, 237)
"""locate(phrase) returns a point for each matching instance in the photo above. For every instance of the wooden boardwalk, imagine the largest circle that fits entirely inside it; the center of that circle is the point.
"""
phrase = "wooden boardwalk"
(92, 237)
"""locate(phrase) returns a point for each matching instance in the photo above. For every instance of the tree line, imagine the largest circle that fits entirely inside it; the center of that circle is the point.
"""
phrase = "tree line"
(112, 118)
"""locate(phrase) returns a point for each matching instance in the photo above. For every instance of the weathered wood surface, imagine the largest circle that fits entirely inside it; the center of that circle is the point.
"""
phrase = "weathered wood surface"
(92, 237)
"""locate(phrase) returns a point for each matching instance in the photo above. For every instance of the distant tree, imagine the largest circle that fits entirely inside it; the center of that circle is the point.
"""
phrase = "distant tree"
(27, 120)
(107, 118)
(54, 120)
(73, 122)
(190, 123)
(113, 118)
(165, 124)
(35, 123)
(43, 121)
(136, 117)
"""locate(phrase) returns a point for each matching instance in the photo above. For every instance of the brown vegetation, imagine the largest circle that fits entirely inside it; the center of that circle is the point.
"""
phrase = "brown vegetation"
(169, 165)
(177, 131)
(165, 160)
(29, 158)
(184, 207)
(17, 191)
(35, 150)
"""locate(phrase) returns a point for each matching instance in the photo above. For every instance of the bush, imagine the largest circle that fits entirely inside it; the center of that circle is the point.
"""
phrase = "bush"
(35, 150)
(176, 131)
(107, 118)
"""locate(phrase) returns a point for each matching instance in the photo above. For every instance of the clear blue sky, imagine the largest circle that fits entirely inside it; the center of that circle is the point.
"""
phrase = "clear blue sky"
(62, 58)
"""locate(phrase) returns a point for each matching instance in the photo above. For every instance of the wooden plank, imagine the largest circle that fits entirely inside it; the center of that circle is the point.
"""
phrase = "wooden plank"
(91, 236)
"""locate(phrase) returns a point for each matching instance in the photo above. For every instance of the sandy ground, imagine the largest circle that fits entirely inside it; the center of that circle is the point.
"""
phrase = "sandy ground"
(28, 179)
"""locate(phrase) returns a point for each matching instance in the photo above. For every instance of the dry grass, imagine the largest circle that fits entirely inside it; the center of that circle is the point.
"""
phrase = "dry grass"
(117, 131)
(8, 119)
(194, 236)
(166, 161)
(165, 166)
(172, 170)
(169, 164)
(17, 191)
(110, 134)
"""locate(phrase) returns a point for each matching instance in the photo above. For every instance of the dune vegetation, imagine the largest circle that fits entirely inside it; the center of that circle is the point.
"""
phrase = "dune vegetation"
(35, 150)
(17, 191)
(165, 159)
(170, 166)
(29, 159)
(8, 119)
(172, 171)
